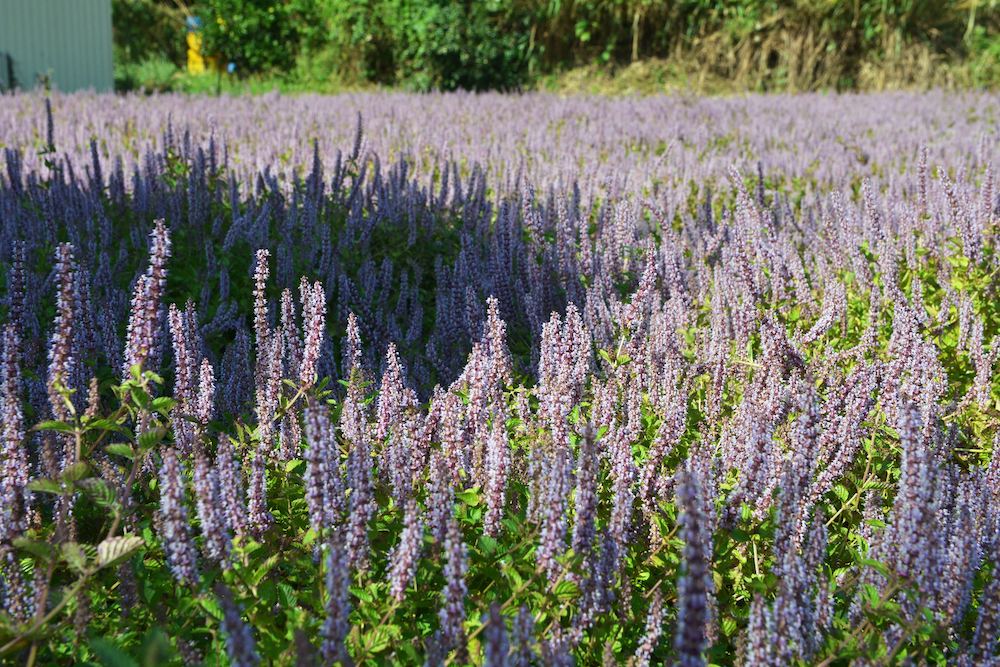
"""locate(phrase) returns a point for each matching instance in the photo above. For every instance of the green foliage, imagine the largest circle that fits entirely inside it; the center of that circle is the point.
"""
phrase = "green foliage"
(144, 29)
(255, 35)
(427, 44)
(498, 44)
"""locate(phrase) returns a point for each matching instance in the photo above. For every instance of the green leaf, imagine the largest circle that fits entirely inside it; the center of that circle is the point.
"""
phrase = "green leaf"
(287, 594)
(75, 472)
(116, 549)
(52, 425)
(45, 486)
(100, 491)
(261, 572)
(121, 449)
(162, 404)
(74, 556)
(566, 590)
(488, 545)
(110, 655)
(38, 548)
(151, 438)
(156, 649)
(103, 425)
(140, 397)
(469, 496)
(153, 376)
(211, 606)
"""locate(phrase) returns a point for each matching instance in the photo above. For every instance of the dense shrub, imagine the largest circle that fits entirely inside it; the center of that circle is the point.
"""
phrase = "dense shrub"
(429, 44)
(493, 44)
(255, 35)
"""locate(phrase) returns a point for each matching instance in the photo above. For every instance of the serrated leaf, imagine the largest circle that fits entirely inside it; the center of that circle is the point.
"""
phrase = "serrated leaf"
(488, 545)
(42, 550)
(75, 471)
(116, 549)
(111, 655)
(99, 490)
(135, 372)
(469, 496)
(45, 486)
(565, 590)
(121, 449)
(162, 404)
(103, 425)
(52, 425)
(156, 649)
(211, 606)
(74, 556)
(151, 438)
(378, 639)
(287, 595)
(261, 572)
(153, 376)
(140, 397)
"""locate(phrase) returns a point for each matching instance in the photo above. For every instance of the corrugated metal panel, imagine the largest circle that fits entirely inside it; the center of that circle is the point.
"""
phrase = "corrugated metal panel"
(66, 41)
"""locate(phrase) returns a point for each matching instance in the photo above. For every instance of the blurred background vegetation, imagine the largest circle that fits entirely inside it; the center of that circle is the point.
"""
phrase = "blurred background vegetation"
(604, 46)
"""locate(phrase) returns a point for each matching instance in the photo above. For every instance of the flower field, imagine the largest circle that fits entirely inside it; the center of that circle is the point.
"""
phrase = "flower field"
(396, 379)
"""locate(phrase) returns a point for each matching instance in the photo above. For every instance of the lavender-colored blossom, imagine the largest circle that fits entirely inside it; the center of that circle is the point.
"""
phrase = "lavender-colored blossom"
(185, 359)
(523, 639)
(323, 479)
(440, 495)
(451, 616)
(406, 555)
(496, 648)
(352, 353)
(695, 583)
(17, 597)
(258, 516)
(354, 428)
(232, 496)
(214, 527)
(143, 332)
(337, 624)
(204, 406)
(498, 464)
(176, 533)
(240, 645)
(654, 626)
(313, 323)
(261, 326)
(15, 498)
(61, 361)
(587, 468)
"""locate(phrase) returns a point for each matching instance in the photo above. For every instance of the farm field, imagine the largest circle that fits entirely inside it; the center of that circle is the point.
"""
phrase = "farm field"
(486, 379)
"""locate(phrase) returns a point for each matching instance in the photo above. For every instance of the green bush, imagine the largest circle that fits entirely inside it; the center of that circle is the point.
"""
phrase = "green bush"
(146, 30)
(255, 35)
(510, 44)
(427, 44)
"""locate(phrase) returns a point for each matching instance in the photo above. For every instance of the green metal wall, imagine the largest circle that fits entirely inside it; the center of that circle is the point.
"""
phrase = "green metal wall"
(67, 40)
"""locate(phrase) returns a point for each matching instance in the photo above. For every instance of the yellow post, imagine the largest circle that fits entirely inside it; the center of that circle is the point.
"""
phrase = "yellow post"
(195, 61)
